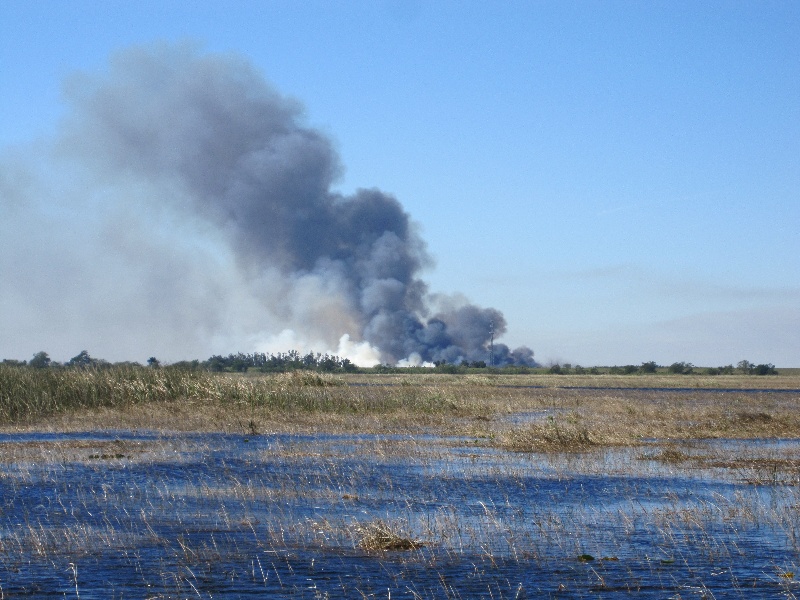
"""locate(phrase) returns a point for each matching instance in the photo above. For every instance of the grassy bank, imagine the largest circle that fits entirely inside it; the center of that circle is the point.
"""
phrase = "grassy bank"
(563, 412)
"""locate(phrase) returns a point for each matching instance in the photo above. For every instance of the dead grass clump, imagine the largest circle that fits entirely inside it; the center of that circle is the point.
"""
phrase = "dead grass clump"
(44, 451)
(379, 535)
(752, 417)
(552, 436)
(670, 455)
(780, 421)
(789, 464)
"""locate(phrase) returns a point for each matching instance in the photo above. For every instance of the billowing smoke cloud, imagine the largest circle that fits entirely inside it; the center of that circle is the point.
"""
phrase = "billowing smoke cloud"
(186, 181)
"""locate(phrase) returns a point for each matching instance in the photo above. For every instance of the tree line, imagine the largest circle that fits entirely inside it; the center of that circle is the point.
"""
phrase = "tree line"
(744, 367)
(232, 363)
(328, 363)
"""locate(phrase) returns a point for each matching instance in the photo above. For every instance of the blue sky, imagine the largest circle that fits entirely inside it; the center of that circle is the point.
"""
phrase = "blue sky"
(620, 179)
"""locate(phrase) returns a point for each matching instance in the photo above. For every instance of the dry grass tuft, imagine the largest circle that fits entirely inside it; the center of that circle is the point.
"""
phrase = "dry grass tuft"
(669, 454)
(379, 535)
(551, 436)
(752, 417)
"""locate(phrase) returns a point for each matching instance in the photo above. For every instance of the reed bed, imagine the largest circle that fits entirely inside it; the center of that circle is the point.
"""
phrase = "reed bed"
(29, 396)
(477, 406)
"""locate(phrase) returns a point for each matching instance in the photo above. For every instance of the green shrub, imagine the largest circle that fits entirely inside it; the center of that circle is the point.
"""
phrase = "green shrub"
(681, 368)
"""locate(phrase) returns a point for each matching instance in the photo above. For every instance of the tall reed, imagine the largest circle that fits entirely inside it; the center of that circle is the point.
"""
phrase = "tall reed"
(28, 395)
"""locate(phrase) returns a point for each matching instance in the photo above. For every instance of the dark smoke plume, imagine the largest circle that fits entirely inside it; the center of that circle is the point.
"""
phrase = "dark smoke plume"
(203, 142)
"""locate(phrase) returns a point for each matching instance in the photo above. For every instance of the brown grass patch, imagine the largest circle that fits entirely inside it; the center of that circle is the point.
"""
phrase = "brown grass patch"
(41, 451)
(670, 455)
(473, 405)
(551, 436)
(380, 536)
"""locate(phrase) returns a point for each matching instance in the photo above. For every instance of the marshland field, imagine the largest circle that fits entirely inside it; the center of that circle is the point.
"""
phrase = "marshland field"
(134, 482)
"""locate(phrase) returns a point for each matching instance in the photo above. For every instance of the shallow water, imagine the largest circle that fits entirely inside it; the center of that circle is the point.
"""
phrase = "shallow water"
(138, 514)
(720, 390)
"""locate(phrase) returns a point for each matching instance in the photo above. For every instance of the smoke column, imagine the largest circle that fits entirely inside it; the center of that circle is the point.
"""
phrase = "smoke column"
(175, 146)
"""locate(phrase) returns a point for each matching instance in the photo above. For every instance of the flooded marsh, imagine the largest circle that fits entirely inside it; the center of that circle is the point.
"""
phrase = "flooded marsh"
(444, 506)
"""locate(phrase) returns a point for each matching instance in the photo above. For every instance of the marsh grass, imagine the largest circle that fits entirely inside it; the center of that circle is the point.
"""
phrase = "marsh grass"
(747, 462)
(788, 379)
(586, 419)
(29, 396)
(389, 512)
(475, 406)
(555, 434)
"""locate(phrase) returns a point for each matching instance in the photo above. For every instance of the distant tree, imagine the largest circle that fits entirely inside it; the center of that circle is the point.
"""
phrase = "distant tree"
(215, 364)
(40, 360)
(11, 362)
(310, 360)
(239, 362)
(153, 362)
(328, 363)
(745, 366)
(648, 367)
(276, 363)
(579, 370)
(767, 369)
(681, 368)
(555, 369)
(82, 360)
